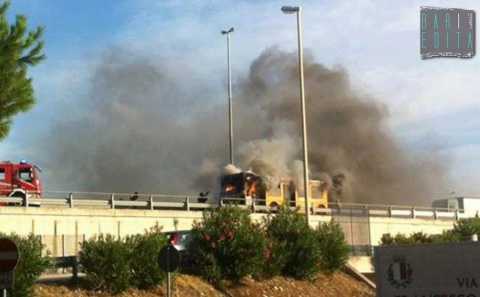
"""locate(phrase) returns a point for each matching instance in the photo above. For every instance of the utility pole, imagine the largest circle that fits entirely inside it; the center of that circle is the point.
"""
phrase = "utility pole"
(229, 78)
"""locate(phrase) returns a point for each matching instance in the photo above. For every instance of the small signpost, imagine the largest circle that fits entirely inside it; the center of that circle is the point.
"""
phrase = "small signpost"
(169, 260)
(8, 261)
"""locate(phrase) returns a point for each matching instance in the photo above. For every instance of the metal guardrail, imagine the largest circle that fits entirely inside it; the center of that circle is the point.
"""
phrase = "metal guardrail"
(60, 199)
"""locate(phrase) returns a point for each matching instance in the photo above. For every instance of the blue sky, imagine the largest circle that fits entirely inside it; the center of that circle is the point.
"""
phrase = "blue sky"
(433, 104)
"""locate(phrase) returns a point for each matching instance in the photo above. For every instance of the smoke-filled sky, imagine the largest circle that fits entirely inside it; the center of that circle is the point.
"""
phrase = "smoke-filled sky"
(132, 96)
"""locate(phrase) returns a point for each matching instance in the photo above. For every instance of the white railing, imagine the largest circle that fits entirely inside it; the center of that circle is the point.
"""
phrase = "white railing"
(180, 202)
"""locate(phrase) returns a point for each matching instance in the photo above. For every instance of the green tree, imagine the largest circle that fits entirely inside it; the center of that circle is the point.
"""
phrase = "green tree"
(19, 49)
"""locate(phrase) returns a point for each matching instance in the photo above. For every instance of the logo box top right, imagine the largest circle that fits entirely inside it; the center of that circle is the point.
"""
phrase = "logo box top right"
(447, 32)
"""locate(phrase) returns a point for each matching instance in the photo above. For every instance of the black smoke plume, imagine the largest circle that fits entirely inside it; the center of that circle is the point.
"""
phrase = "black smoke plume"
(150, 127)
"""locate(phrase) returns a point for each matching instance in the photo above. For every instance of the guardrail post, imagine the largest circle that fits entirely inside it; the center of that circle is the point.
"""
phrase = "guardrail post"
(253, 205)
(366, 211)
(457, 214)
(413, 212)
(70, 200)
(25, 200)
(112, 201)
(389, 211)
(187, 203)
(151, 203)
(435, 214)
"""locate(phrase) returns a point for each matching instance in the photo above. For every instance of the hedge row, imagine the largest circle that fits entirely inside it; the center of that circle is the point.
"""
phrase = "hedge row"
(227, 245)
(462, 231)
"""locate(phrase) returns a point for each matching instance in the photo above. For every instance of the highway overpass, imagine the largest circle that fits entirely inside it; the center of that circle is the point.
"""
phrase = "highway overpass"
(64, 223)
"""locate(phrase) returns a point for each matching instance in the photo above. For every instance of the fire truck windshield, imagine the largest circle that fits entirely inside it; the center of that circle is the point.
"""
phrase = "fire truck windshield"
(26, 174)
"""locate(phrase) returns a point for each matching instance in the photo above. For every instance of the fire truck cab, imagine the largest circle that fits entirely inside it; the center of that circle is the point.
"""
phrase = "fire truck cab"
(19, 180)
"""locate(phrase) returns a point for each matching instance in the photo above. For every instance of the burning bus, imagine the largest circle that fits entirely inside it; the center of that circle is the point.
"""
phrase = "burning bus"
(246, 188)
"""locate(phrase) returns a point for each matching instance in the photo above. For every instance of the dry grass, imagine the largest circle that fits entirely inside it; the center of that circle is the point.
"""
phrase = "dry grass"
(338, 284)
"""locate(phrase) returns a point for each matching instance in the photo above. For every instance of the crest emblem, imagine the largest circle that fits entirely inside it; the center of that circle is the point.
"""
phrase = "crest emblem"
(399, 273)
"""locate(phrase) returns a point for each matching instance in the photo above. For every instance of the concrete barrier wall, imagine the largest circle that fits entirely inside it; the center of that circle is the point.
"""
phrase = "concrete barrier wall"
(62, 229)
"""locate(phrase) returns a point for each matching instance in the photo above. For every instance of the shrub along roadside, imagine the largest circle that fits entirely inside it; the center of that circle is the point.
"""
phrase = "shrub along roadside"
(31, 264)
(227, 245)
(296, 250)
(333, 247)
(106, 262)
(146, 273)
(115, 264)
(294, 247)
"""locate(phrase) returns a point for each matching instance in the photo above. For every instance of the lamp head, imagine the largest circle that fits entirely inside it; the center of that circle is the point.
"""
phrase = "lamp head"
(227, 31)
(290, 9)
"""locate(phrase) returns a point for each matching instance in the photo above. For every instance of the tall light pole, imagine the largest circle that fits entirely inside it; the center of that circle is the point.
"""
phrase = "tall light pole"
(298, 11)
(229, 77)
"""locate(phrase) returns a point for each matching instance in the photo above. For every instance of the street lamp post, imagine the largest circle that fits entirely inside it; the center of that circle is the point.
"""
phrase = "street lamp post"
(298, 11)
(229, 77)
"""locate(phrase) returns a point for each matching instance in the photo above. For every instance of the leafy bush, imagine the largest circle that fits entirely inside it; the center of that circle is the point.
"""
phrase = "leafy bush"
(146, 273)
(334, 249)
(465, 228)
(106, 262)
(117, 264)
(401, 239)
(30, 265)
(445, 237)
(294, 247)
(226, 245)
(414, 238)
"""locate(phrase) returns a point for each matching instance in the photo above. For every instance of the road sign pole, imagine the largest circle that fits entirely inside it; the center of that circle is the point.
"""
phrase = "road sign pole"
(169, 284)
(169, 278)
(168, 260)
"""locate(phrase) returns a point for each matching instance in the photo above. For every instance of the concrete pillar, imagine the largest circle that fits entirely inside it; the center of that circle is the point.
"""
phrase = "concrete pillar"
(76, 238)
(55, 239)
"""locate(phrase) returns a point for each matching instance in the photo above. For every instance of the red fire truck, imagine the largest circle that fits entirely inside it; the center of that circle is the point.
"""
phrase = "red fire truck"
(19, 180)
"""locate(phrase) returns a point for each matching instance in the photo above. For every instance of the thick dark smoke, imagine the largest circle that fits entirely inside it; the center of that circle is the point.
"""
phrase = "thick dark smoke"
(348, 139)
(153, 128)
